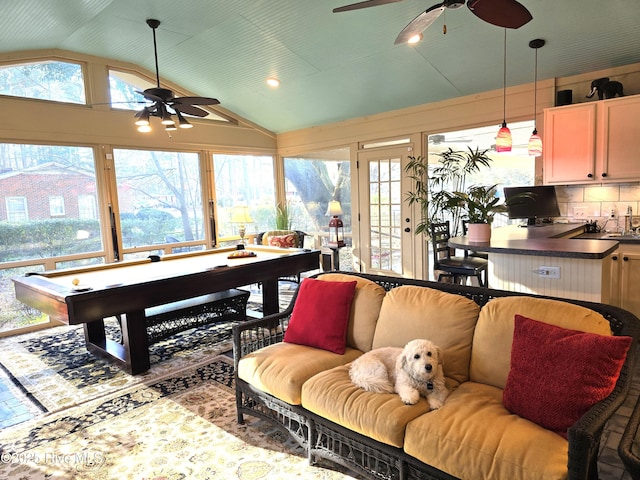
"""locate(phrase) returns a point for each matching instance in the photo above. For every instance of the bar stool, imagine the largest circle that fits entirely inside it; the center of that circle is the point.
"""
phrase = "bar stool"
(455, 267)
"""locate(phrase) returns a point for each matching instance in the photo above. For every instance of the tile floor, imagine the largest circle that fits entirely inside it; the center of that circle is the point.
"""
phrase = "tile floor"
(15, 408)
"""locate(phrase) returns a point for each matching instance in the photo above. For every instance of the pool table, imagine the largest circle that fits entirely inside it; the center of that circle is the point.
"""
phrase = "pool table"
(87, 295)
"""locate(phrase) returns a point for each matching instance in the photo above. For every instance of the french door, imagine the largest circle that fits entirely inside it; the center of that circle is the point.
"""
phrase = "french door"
(388, 245)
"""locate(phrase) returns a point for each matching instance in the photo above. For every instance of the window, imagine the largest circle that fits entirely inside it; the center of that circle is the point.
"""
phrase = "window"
(311, 181)
(46, 179)
(507, 169)
(124, 88)
(45, 80)
(56, 206)
(244, 180)
(17, 209)
(159, 197)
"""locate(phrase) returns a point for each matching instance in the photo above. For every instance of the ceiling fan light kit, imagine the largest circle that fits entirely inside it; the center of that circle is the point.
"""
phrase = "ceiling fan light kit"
(534, 149)
(165, 103)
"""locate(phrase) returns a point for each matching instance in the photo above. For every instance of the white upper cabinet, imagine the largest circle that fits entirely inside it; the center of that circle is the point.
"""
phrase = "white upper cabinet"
(595, 142)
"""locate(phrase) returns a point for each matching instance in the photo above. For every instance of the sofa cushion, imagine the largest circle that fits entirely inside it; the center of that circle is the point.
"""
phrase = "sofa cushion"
(321, 315)
(491, 352)
(473, 436)
(448, 320)
(282, 368)
(365, 309)
(381, 416)
(557, 374)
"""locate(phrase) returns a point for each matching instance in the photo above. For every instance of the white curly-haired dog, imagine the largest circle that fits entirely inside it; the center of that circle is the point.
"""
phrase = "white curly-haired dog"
(410, 372)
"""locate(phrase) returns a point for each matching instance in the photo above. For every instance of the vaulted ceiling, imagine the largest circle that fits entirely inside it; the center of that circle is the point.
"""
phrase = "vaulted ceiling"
(333, 66)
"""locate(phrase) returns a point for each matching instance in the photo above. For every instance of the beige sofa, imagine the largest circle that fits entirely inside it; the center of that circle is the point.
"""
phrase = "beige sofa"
(473, 436)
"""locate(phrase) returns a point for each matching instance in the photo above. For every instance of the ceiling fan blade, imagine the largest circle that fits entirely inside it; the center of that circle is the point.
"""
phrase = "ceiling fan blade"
(365, 4)
(420, 23)
(502, 13)
(196, 101)
(189, 110)
(150, 96)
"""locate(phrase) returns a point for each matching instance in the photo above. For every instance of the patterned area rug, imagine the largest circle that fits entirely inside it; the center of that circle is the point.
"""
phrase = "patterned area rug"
(181, 427)
(55, 371)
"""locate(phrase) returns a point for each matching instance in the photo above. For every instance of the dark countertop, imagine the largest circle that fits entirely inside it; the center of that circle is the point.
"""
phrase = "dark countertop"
(541, 241)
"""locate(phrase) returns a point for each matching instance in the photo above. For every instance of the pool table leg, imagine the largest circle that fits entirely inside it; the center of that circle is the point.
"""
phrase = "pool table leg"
(133, 354)
(270, 303)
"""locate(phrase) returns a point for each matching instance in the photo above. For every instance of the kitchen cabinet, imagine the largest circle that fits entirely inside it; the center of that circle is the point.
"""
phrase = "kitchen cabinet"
(625, 275)
(618, 131)
(569, 144)
(593, 142)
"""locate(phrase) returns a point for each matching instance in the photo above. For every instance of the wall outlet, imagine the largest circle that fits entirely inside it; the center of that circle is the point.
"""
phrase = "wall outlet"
(549, 272)
(579, 212)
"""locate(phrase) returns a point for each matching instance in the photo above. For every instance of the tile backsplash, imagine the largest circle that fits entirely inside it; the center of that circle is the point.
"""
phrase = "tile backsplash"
(590, 202)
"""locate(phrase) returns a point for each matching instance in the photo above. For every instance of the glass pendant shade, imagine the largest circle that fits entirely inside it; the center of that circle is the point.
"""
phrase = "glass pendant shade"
(535, 144)
(504, 140)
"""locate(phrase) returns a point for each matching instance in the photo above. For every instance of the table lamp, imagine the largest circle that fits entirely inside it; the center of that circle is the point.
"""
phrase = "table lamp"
(240, 214)
(336, 227)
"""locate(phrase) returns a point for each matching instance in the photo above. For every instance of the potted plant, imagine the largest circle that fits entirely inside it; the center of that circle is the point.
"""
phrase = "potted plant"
(479, 204)
(283, 222)
(433, 184)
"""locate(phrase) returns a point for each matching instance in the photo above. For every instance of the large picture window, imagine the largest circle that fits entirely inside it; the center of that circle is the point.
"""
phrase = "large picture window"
(244, 181)
(159, 196)
(40, 215)
(311, 181)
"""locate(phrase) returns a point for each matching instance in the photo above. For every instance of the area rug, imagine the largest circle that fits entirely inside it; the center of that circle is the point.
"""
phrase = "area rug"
(55, 371)
(182, 427)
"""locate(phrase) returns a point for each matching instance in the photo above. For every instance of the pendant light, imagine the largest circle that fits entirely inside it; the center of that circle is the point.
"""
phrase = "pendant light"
(503, 140)
(535, 142)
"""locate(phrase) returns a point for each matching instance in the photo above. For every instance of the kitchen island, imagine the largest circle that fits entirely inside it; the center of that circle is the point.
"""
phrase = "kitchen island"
(548, 260)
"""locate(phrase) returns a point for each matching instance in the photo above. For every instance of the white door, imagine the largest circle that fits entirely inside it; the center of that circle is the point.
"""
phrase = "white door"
(387, 243)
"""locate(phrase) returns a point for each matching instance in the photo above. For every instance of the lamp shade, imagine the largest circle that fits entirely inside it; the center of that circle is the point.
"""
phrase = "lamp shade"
(503, 139)
(535, 144)
(240, 214)
(334, 208)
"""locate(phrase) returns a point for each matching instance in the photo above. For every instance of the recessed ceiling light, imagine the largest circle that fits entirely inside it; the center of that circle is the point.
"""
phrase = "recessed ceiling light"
(273, 82)
(415, 39)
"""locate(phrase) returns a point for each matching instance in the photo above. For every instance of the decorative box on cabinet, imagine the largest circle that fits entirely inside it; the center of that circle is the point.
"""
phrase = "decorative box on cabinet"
(593, 142)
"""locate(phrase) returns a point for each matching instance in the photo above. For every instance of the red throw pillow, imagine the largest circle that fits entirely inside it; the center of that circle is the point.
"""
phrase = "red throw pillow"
(321, 315)
(557, 374)
(284, 241)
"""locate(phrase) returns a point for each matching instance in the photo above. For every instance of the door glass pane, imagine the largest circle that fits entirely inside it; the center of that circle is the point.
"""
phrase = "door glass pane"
(386, 248)
(159, 197)
(244, 181)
